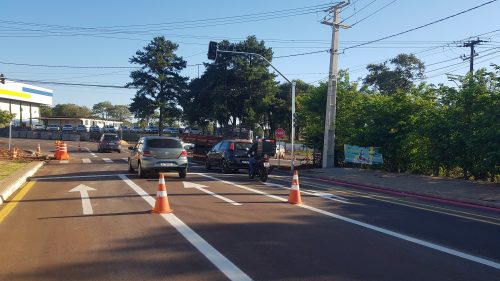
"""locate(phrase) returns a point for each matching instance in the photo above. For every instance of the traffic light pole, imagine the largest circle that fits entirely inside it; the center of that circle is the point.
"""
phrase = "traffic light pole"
(292, 166)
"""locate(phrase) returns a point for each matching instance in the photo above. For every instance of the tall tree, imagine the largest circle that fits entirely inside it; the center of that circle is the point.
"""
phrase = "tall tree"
(235, 88)
(407, 69)
(119, 112)
(6, 117)
(158, 80)
(71, 110)
(102, 109)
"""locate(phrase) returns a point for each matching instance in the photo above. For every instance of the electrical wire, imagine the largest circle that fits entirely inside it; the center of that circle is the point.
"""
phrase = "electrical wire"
(421, 26)
(385, 6)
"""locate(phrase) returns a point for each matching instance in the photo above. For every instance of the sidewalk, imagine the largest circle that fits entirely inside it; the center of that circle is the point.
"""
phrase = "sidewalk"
(454, 191)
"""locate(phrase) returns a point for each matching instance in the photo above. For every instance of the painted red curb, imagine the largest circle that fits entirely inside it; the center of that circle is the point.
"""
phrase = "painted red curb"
(408, 194)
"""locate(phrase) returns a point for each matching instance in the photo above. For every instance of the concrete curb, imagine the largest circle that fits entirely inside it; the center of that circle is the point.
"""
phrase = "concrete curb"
(15, 181)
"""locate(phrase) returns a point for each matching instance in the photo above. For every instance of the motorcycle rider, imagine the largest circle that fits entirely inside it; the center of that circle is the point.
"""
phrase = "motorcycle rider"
(254, 154)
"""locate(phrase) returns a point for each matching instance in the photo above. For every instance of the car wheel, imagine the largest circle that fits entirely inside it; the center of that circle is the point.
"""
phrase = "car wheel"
(130, 169)
(183, 173)
(207, 164)
(224, 167)
(140, 172)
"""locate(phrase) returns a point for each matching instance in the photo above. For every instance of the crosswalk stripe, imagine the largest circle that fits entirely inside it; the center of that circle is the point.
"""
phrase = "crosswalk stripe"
(86, 160)
(63, 161)
(107, 160)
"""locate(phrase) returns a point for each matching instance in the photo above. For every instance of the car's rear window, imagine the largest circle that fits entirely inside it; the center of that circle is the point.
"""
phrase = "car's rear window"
(111, 137)
(164, 143)
(242, 145)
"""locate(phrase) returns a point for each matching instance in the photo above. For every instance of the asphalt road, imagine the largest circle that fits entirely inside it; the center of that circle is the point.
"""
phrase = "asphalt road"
(225, 226)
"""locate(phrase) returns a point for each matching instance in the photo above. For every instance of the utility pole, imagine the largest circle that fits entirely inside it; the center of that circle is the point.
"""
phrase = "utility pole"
(331, 101)
(471, 44)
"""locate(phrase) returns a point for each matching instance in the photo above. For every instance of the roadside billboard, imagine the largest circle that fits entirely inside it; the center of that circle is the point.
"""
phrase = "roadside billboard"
(364, 155)
(24, 92)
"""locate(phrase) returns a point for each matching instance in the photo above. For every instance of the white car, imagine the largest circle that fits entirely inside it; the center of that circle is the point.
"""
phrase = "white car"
(38, 127)
(52, 127)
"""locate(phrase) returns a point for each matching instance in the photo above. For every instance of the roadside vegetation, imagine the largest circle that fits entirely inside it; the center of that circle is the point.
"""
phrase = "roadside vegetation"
(9, 167)
(420, 128)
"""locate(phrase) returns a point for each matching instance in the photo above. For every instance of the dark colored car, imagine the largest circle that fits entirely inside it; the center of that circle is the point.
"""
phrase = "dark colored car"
(158, 154)
(109, 142)
(229, 155)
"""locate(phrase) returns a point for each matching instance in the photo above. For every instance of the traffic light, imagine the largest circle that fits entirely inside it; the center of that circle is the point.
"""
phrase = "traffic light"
(2, 79)
(212, 50)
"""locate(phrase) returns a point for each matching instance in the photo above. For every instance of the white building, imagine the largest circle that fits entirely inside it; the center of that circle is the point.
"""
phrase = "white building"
(24, 101)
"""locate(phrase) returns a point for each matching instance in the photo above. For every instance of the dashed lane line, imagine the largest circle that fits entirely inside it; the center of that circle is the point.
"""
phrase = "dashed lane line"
(107, 160)
(372, 227)
(86, 160)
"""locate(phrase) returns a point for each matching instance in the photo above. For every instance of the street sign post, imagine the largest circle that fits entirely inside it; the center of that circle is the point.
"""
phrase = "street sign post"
(279, 134)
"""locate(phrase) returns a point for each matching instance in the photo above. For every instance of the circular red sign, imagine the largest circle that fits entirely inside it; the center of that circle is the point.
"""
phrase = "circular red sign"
(279, 133)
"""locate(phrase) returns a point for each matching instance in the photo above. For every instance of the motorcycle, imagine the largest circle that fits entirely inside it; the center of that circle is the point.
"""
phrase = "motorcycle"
(262, 168)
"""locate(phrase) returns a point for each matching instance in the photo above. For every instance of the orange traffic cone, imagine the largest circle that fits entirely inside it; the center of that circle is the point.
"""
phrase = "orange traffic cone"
(294, 197)
(161, 205)
(63, 152)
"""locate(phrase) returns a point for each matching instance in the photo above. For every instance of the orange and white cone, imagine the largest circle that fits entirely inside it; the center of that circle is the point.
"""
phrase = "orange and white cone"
(38, 150)
(161, 205)
(294, 197)
(63, 152)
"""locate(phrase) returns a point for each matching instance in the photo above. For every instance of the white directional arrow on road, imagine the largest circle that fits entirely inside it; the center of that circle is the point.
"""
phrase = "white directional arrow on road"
(201, 188)
(83, 189)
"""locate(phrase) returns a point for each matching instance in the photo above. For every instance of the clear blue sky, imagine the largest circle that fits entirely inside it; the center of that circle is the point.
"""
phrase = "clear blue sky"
(108, 33)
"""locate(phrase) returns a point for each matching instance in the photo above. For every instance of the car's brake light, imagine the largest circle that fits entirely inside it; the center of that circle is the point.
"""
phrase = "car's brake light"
(183, 153)
(231, 146)
(147, 153)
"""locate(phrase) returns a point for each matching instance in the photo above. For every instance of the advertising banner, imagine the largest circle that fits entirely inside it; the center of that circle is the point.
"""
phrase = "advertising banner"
(364, 155)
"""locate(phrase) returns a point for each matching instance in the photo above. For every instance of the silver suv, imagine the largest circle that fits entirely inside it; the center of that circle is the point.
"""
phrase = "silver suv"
(158, 154)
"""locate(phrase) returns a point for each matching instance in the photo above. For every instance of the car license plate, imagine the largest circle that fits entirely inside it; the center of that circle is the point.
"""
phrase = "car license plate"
(244, 162)
(266, 164)
(167, 164)
(111, 143)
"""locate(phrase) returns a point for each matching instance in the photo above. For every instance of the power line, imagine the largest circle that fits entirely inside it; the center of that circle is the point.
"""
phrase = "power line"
(69, 66)
(74, 84)
(385, 6)
(420, 27)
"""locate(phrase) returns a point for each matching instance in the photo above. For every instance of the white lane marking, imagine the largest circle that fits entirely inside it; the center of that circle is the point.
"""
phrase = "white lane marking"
(273, 184)
(86, 160)
(125, 159)
(107, 160)
(63, 161)
(221, 262)
(86, 206)
(375, 228)
(327, 196)
(201, 188)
